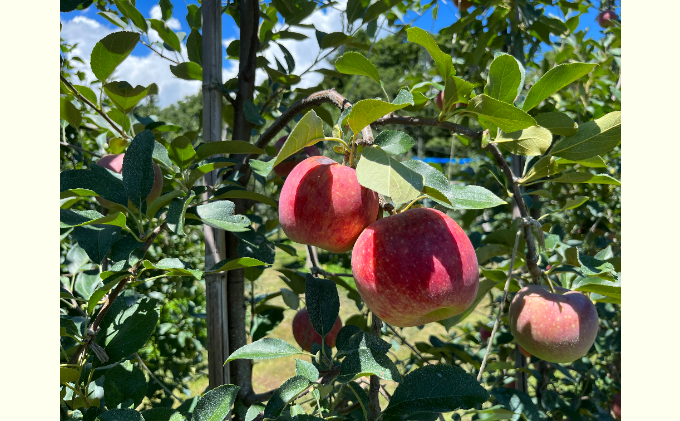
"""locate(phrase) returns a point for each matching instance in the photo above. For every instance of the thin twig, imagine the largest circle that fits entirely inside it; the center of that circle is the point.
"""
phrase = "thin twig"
(94, 107)
(78, 148)
(403, 341)
(153, 376)
(500, 306)
(431, 122)
(349, 409)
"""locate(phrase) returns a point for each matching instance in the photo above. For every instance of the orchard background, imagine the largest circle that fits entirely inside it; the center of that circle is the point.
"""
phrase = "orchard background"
(156, 294)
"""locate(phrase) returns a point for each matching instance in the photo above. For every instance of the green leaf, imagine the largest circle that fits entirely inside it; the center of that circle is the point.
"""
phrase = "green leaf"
(76, 258)
(127, 326)
(177, 213)
(598, 286)
(113, 18)
(506, 116)
(558, 123)
(69, 112)
(166, 9)
(394, 142)
(220, 214)
(166, 34)
(352, 63)
(194, 16)
(207, 166)
(489, 251)
(437, 186)
(124, 96)
(181, 152)
(584, 177)
(245, 194)
(254, 411)
(69, 218)
(253, 113)
(485, 285)
(555, 79)
(96, 240)
(138, 172)
(505, 76)
(474, 197)
(594, 162)
(378, 8)
(307, 370)
(231, 264)
(264, 349)
(126, 8)
(108, 283)
(367, 111)
(443, 61)
(334, 39)
(593, 138)
(226, 147)
(195, 47)
(157, 204)
(68, 375)
(456, 90)
(110, 51)
(291, 299)
(175, 267)
(188, 71)
(367, 358)
(355, 9)
(546, 166)
(96, 180)
(308, 131)
(86, 283)
(288, 391)
(528, 142)
(436, 388)
(215, 404)
(120, 414)
(162, 414)
(575, 202)
(382, 173)
(122, 382)
(519, 402)
(87, 93)
(323, 303)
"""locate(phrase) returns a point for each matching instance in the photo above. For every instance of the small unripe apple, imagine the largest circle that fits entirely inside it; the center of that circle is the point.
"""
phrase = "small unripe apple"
(322, 204)
(114, 162)
(439, 102)
(304, 332)
(285, 167)
(616, 406)
(462, 4)
(415, 267)
(607, 18)
(556, 327)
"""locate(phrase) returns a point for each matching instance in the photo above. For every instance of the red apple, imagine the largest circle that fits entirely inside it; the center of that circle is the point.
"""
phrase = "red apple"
(439, 102)
(285, 167)
(462, 4)
(510, 385)
(484, 334)
(616, 406)
(415, 267)
(322, 204)
(607, 18)
(115, 164)
(304, 332)
(556, 327)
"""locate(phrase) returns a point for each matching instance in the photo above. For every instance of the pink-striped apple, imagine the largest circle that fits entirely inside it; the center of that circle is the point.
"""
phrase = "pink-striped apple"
(285, 167)
(115, 163)
(607, 18)
(556, 327)
(304, 332)
(415, 267)
(616, 406)
(322, 204)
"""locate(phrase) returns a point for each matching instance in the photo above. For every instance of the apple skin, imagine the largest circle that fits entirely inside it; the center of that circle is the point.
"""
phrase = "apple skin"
(607, 18)
(462, 5)
(439, 102)
(484, 334)
(114, 162)
(558, 328)
(322, 204)
(616, 406)
(304, 332)
(284, 168)
(415, 267)
(524, 351)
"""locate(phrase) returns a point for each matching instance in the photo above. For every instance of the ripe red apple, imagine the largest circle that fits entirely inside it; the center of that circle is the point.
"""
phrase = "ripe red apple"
(616, 406)
(322, 204)
(556, 327)
(439, 102)
(607, 18)
(115, 163)
(484, 334)
(415, 267)
(304, 332)
(462, 5)
(285, 167)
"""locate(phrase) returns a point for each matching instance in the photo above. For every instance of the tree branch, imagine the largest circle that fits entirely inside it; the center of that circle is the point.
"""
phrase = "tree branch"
(432, 122)
(78, 148)
(94, 107)
(403, 341)
(153, 376)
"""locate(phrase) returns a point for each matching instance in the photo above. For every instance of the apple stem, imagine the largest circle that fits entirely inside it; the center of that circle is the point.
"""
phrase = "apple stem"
(411, 204)
(552, 289)
(500, 307)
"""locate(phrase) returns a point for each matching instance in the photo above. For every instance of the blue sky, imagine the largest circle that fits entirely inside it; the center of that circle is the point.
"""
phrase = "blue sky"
(143, 66)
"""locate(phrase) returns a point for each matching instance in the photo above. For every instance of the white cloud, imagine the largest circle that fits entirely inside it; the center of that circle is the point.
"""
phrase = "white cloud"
(136, 69)
(172, 23)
